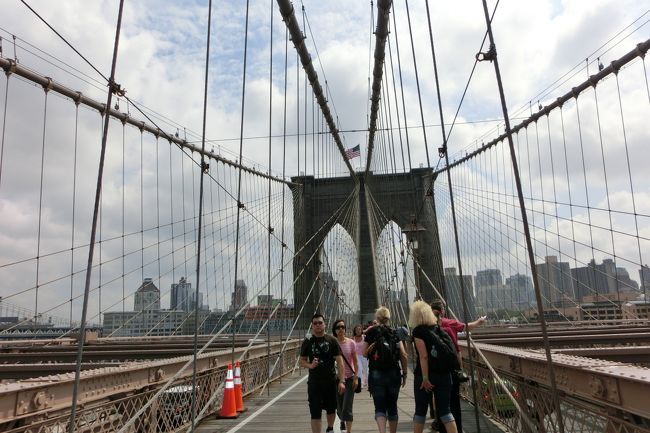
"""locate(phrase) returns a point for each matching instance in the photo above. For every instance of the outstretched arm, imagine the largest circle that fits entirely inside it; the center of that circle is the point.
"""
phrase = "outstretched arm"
(475, 324)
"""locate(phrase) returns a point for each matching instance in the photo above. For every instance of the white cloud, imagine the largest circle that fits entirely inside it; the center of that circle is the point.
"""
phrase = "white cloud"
(161, 64)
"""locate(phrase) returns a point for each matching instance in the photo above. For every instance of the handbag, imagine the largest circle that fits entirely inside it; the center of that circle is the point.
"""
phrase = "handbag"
(357, 388)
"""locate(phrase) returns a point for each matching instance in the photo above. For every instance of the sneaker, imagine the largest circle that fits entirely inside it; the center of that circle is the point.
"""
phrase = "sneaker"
(342, 426)
(329, 429)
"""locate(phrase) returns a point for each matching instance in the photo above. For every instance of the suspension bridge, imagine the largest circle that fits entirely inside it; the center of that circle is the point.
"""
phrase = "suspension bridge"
(139, 257)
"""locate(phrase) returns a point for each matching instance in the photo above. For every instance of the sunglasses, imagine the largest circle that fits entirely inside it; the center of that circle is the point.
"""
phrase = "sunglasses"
(317, 323)
(340, 327)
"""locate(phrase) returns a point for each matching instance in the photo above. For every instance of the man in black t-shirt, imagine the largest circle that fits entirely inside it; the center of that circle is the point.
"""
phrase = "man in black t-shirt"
(321, 354)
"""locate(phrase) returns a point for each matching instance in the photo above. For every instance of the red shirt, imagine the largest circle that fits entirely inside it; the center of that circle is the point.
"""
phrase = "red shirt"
(452, 327)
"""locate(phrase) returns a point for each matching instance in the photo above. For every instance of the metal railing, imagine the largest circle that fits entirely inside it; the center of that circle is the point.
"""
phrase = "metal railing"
(111, 396)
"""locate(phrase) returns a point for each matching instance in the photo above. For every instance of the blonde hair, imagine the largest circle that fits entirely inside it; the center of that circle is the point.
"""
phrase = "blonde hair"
(382, 314)
(421, 314)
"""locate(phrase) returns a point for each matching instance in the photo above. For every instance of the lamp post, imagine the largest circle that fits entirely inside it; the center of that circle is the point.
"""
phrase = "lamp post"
(413, 239)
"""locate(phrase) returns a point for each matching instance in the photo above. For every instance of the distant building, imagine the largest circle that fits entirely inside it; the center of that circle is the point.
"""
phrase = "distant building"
(262, 312)
(584, 280)
(625, 283)
(636, 310)
(601, 279)
(455, 297)
(555, 283)
(522, 291)
(601, 311)
(239, 296)
(147, 317)
(216, 320)
(135, 323)
(644, 276)
(331, 299)
(488, 278)
(182, 296)
(147, 297)
(489, 290)
(620, 297)
(606, 277)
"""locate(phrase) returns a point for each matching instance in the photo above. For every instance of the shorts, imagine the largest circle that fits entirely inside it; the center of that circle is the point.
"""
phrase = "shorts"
(321, 396)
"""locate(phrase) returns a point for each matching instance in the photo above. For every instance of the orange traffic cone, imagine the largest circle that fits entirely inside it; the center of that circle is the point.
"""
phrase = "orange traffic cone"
(239, 398)
(228, 406)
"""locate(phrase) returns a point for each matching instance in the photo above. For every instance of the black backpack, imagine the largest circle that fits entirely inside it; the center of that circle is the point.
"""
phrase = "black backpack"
(442, 356)
(385, 352)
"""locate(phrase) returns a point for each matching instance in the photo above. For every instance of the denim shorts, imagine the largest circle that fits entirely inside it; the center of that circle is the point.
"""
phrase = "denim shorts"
(384, 386)
(441, 391)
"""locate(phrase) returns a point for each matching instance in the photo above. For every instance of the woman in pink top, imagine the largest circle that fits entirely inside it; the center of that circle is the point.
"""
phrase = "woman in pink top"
(349, 353)
(362, 361)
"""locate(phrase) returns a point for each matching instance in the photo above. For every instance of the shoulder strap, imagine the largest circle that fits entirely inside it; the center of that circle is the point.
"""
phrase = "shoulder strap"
(346, 361)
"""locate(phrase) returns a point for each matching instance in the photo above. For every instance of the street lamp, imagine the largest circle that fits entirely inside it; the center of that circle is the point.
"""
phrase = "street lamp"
(412, 232)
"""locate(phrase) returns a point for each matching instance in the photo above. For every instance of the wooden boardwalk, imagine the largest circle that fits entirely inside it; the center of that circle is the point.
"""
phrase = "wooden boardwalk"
(286, 410)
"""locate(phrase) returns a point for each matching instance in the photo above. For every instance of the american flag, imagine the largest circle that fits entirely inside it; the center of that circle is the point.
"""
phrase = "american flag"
(353, 152)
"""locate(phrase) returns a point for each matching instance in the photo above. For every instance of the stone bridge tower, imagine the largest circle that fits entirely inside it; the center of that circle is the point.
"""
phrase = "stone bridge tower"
(404, 198)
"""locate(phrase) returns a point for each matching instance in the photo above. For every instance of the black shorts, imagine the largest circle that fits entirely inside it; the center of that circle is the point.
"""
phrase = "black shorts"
(322, 396)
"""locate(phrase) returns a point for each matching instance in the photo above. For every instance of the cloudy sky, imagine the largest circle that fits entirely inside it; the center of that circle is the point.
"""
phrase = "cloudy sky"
(162, 55)
(544, 48)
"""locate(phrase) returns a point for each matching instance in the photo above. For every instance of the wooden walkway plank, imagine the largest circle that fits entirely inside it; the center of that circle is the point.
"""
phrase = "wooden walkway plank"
(286, 410)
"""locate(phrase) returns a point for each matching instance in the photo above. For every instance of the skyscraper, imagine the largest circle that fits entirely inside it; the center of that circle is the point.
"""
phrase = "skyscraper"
(330, 300)
(147, 297)
(180, 295)
(625, 283)
(489, 283)
(602, 279)
(521, 290)
(644, 276)
(239, 296)
(455, 297)
(555, 282)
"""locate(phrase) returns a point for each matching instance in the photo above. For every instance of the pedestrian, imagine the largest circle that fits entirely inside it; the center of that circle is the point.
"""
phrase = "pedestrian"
(349, 354)
(453, 327)
(403, 333)
(362, 361)
(432, 375)
(321, 354)
(387, 369)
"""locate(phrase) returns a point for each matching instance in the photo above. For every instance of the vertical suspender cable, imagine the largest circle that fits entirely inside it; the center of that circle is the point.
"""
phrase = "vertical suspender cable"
(524, 220)
(74, 203)
(305, 102)
(112, 87)
(298, 110)
(629, 175)
(204, 169)
(442, 151)
(417, 82)
(241, 149)
(399, 126)
(269, 229)
(4, 125)
(123, 213)
(40, 210)
(284, 188)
